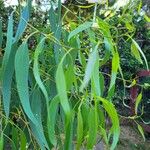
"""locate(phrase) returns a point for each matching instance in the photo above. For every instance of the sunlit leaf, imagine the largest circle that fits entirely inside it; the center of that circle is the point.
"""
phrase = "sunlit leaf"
(138, 100)
(79, 29)
(115, 67)
(90, 66)
(141, 131)
(137, 47)
(135, 52)
(112, 113)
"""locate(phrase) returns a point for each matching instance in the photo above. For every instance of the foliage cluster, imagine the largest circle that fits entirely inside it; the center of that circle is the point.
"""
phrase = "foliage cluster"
(64, 73)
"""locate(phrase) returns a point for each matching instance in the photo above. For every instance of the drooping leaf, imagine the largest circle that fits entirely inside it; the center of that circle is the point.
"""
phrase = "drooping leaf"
(23, 141)
(90, 66)
(15, 136)
(62, 93)
(138, 100)
(141, 131)
(61, 88)
(79, 129)
(1, 141)
(24, 18)
(93, 128)
(36, 106)
(21, 71)
(52, 120)
(135, 52)
(7, 67)
(115, 129)
(1, 34)
(79, 29)
(137, 47)
(95, 79)
(36, 71)
(115, 67)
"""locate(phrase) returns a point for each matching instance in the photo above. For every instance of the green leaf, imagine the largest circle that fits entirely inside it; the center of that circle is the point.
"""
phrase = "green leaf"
(93, 128)
(79, 29)
(115, 67)
(52, 119)
(61, 88)
(15, 136)
(24, 18)
(79, 129)
(21, 70)
(62, 93)
(137, 47)
(115, 129)
(147, 18)
(89, 68)
(1, 34)
(23, 141)
(138, 100)
(69, 132)
(141, 131)
(36, 72)
(37, 130)
(1, 141)
(8, 67)
(135, 52)
(95, 79)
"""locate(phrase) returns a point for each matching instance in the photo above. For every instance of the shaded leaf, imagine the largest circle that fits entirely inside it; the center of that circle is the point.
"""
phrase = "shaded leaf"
(24, 18)
(8, 67)
(21, 71)
(79, 129)
(52, 119)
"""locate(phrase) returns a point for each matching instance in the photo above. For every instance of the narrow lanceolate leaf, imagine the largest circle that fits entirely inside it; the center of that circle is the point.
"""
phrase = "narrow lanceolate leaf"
(115, 129)
(95, 80)
(79, 130)
(36, 109)
(23, 141)
(52, 119)
(62, 93)
(21, 71)
(1, 141)
(24, 18)
(7, 67)
(79, 29)
(115, 67)
(137, 102)
(137, 47)
(36, 69)
(93, 128)
(135, 52)
(62, 90)
(141, 131)
(1, 34)
(89, 68)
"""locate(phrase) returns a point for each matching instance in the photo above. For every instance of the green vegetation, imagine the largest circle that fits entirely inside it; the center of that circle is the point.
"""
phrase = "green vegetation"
(66, 73)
